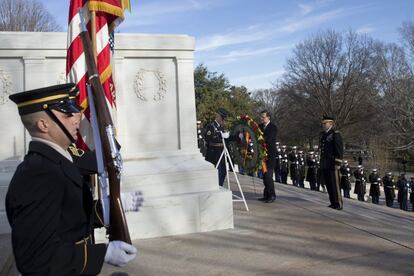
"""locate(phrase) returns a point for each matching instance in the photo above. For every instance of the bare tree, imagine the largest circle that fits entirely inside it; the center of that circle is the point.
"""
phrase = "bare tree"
(330, 74)
(395, 82)
(26, 16)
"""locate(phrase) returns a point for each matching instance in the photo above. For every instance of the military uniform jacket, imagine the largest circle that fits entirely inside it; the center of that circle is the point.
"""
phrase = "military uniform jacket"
(389, 190)
(412, 192)
(270, 133)
(403, 187)
(50, 212)
(331, 149)
(312, 169)
(345, 177)
(214, 142)
(374, 190)
(360, 183)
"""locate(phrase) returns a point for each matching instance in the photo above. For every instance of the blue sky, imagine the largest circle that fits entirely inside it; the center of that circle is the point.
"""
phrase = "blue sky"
(249, 41)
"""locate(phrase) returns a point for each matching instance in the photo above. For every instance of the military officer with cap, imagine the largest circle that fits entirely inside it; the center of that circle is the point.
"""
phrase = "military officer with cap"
(360, 183)
(312, 170)
(345, 171)
(48, 206)
(331, 158)
(389, 189)
(374, 190)
(214, 134)
(294, 166)
(284, 165)
(403, 187)
(278, 163)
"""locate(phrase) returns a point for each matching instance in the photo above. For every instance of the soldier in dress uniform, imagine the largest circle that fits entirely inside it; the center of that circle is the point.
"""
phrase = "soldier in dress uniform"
(312, 170)
(403, 187)
(345, 171)
(200, 139)
(360, 183)
(412, 193)
(294, 166)
(48, 205)
(331, 147)
(319, 183)
(374, 190)
(284, 165)
(214, 134)
(389, 189)
(278, 159)
(301, 169)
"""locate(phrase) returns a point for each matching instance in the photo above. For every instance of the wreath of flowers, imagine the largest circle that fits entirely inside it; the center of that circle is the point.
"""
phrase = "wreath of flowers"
(250, 151)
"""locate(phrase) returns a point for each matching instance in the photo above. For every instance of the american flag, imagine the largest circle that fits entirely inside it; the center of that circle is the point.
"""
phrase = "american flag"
(108, 15)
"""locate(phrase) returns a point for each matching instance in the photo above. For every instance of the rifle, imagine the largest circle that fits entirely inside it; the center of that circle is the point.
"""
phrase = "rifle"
(111, 158)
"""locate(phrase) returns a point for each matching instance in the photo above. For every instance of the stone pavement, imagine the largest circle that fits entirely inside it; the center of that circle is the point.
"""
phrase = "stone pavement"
(295, 235)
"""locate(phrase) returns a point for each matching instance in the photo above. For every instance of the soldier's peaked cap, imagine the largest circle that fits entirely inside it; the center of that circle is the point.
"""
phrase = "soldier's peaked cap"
(327, 118)
(223, 112)
(60, 97)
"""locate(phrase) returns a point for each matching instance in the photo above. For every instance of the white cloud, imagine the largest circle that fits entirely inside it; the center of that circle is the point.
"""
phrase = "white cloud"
(252, 52)
(259, 32)
(266, 77)
(155, 12)
(365, 29)
(295, 25)
(250, 34)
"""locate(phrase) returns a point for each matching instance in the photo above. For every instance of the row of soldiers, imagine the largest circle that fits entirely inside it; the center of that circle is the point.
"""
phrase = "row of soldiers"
(307, 167)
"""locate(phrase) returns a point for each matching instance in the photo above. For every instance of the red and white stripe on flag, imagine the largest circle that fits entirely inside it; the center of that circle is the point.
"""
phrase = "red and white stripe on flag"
(109, 13)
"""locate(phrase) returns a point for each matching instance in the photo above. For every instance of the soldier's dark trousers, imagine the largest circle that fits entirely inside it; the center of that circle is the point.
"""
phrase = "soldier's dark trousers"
(361, 197)
(375, 199)
(269, 190)
(312, 185)
(301, 183)
(346, 193)
(278, 176)
(284, 178)
(404, 205)
(389, 201)
(222, 172)
(332, 185)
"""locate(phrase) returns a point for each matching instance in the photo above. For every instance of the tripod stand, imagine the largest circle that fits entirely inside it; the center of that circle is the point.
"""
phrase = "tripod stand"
(226, 155)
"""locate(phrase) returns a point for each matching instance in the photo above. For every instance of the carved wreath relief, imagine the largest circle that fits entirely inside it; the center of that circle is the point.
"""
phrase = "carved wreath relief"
(139, 85)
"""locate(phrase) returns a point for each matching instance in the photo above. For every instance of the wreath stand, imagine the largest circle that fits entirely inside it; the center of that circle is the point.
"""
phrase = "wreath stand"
(225, 153)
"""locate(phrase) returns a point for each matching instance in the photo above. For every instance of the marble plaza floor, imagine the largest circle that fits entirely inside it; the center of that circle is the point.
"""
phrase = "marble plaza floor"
(295, 235)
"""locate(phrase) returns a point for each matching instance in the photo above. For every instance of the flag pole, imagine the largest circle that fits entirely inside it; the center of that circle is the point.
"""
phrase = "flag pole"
(93, 34)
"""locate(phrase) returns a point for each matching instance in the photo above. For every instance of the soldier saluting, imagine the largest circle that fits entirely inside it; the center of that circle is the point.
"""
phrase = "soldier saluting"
(331, 147)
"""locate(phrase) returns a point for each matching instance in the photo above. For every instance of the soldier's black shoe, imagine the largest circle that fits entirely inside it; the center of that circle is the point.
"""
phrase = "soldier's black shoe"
(331, 206)
(262, 199)
(270, 200)
(338, 208)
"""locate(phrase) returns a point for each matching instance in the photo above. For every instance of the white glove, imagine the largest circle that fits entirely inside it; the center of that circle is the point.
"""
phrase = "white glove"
(132, 201)
(225, 135)
(119, 253)
(241, 136)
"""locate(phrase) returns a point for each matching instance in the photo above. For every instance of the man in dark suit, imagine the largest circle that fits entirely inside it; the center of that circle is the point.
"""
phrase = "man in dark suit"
(49, 206)
(270, 132)
(331, 158)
